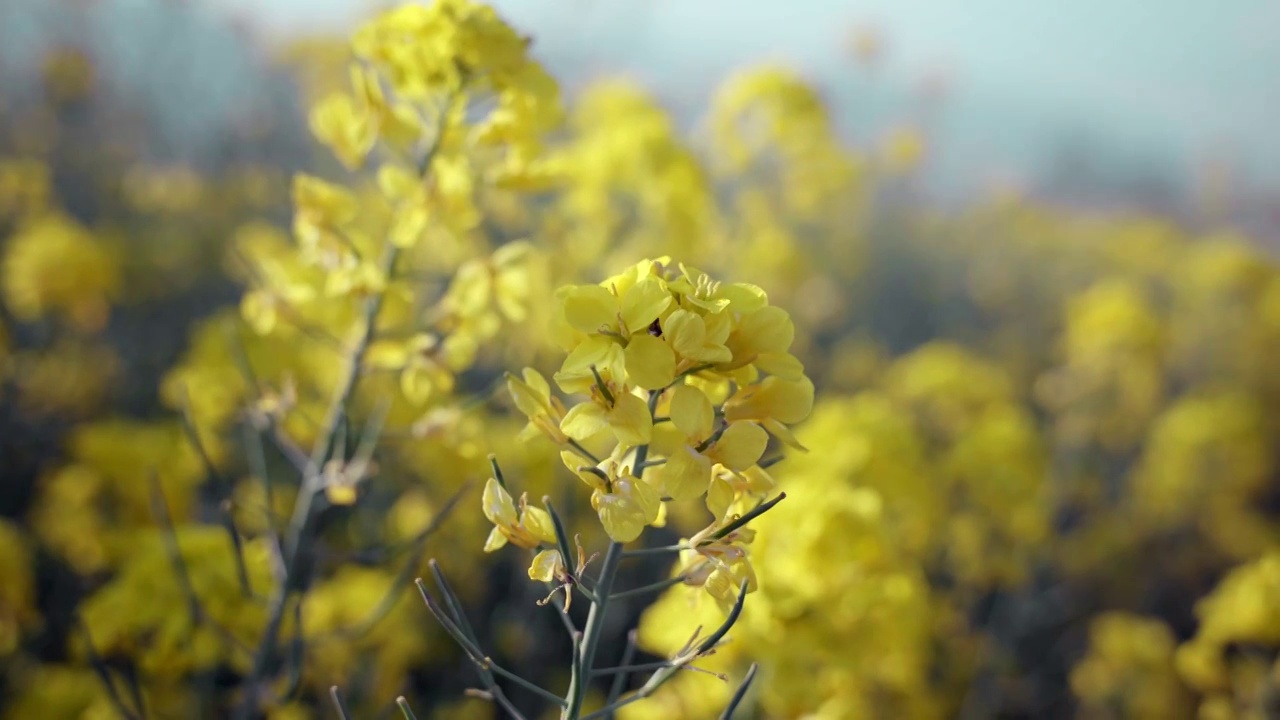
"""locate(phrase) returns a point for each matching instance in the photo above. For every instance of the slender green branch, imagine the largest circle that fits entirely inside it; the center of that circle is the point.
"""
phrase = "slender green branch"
(341, 707)
(195, 608)
(484, 665)
(577, 680)
(452, 603)
(536, 690)
(407, 569)
(653, 587)
(661, 550)
(104, 674)
(594, 628)
(304, 513)
(497, 471)
(224, 490)
(626, 669)
(405, 710)
(678, 663)
(620, 679)
(577, 447)
(562, 537)
(752, 514)
(160, 508)
(258, 466)
(740, 693)
(604, 389)
(473, 652)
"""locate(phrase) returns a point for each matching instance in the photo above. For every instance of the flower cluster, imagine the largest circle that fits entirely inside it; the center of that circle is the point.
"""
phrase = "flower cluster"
(678, 373)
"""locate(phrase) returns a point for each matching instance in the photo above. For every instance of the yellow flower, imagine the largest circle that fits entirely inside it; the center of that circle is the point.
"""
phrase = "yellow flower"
(623, 413)
(18, 613)
(691, 444)
(774, 403)
(55, 266)
(720, 565)
(533, 397)
(625, 503)
(528, 528)
(322, 211)
(502, 281)
(426, 363)
(594, 309)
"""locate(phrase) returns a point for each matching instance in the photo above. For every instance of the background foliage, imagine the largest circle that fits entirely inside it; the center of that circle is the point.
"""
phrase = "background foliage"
(1040, 478)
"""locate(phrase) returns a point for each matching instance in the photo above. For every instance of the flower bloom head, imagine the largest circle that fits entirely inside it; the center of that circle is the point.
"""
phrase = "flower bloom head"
(687, 379)
(528, 527)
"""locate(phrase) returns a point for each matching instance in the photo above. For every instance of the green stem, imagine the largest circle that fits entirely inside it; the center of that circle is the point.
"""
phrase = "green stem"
(654, 587)
(660, 550)
(594, 627)
(304, 511)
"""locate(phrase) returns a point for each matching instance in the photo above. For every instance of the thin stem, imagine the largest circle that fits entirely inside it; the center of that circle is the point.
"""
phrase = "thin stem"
(595, 625)
(258, 466)
(752, 514)
(653, 587)
(483, 664)
(661, 550)
(680, 662)
(577, 447)
(620, 679)
(536, 690)
(195, 608)
(304, 513)
(104, 675)
(625, 668)
(604, 389)
(224, 490)
(740, 693)
(336, 696)
(402, 579)
(405, 710)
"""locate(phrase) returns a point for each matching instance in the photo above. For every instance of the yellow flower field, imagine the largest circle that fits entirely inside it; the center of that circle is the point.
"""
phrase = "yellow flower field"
(499, 400)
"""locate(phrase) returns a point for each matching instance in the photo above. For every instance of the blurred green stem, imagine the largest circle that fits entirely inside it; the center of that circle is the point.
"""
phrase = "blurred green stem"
(595, 625)
(304, 512)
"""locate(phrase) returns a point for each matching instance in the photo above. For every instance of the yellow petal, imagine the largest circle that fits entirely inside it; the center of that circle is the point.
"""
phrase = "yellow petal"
(585, 420)
(544, 566)
(630, 420)
(536, 382)
(644, 302)
(685, 331)
(768, 329)
(743, 297)
(495, 541)
(602, 352)
(784, 365)
(786, 401)
(589, 307)
(685, 475)
(643, 494)
(692, 413)
(650, 362)
(719, 497)
(740, 446)
(258, 307)
(574, 462)
(497, 504)
(783, 433)
(340, 494)
(622, 519)
(538, 522)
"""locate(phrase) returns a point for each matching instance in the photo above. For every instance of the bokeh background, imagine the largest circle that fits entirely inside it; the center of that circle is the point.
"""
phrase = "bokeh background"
(1029, 250)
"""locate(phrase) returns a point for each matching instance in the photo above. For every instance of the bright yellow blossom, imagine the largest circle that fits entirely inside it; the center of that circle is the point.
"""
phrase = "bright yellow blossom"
(528, 528)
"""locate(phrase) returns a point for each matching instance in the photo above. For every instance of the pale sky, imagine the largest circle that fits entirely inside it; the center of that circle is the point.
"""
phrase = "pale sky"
(1171, 81)
(1158, 85)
